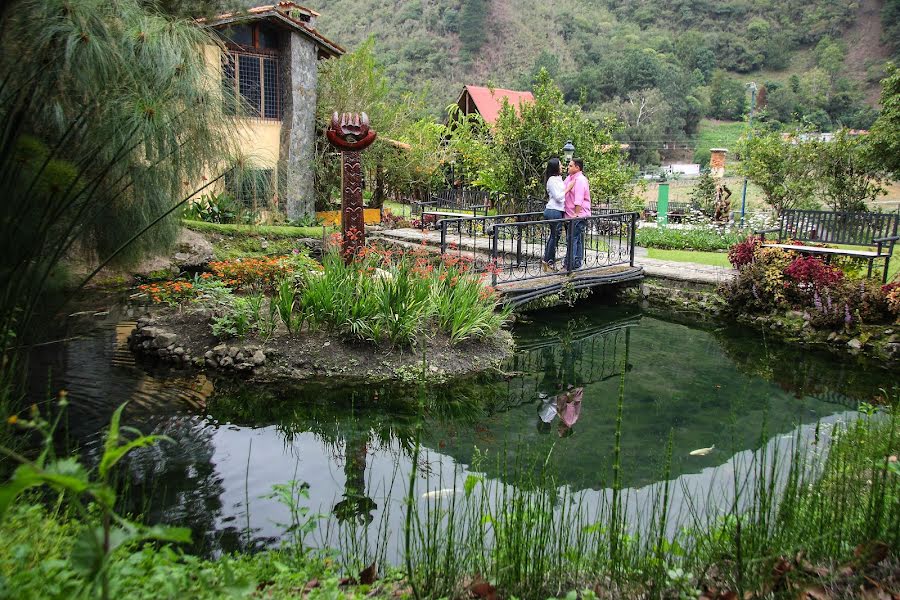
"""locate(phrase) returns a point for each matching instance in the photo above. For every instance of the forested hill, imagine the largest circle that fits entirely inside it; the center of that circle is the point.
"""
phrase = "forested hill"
(668, 52)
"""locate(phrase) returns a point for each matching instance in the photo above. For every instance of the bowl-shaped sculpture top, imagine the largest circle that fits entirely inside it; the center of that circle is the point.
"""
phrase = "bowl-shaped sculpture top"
(350, 131)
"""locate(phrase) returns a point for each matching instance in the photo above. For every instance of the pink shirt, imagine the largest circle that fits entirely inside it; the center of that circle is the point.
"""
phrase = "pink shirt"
(579, 196)
(568, 405)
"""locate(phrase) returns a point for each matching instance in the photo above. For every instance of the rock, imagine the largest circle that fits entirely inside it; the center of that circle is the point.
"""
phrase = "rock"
(178, 350)
(243, 366)
(149, 332)
(855, 344)
(211, 362)
(888, 332)
(240, 357)
(832, 336)
(209, 354)
(794, 314)
(145, 344)
(226, 362)
(164, 339)
(162, 352)
(220, 350)
(258, 358)
(233, 352)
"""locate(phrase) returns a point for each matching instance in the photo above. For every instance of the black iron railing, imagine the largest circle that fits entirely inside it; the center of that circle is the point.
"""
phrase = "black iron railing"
(471, 238)
(530, 249)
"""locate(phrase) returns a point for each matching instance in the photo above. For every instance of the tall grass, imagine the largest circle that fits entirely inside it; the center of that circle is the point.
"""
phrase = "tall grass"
(397, 299)
(825, 500)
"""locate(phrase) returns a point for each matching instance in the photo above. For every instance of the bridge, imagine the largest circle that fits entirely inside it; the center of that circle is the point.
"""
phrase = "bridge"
(512, 248)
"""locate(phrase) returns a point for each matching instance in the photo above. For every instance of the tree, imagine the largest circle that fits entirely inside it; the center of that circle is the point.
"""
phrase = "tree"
(727, 97)
(782, 167)
(845, 179)
(512, 158)
(108, 111)
(408, 151)
(883, 142)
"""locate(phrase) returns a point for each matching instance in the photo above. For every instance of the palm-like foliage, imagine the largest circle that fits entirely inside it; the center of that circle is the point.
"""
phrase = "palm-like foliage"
(107, 112)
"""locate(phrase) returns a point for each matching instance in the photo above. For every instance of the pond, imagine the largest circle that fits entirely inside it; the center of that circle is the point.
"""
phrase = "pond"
(727, 389)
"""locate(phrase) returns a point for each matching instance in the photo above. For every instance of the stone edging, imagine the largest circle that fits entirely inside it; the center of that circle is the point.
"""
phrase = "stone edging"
(160, 344)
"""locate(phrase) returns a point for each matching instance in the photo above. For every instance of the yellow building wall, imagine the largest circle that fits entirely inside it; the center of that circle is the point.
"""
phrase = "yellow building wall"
(258, 141)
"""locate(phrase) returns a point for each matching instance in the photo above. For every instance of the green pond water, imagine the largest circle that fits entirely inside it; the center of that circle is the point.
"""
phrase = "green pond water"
(553, 406)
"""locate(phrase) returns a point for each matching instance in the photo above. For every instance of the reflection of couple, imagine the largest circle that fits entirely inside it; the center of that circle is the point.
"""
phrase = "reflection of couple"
(570, 199)
(566, 405)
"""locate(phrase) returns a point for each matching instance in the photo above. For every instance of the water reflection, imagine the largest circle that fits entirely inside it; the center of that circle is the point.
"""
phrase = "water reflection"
(555, 405)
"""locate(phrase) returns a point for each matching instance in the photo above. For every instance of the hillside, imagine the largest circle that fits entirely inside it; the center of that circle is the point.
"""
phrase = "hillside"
(658, 66)
(440, 44)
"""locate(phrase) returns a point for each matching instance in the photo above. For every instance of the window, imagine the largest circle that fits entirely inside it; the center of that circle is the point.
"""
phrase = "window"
(254, 79)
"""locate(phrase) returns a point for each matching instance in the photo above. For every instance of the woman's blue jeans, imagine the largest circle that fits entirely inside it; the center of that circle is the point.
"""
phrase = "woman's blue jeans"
(555, 228)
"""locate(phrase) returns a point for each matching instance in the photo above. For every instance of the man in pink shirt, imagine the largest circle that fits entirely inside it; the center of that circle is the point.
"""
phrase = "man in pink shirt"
(578, 205)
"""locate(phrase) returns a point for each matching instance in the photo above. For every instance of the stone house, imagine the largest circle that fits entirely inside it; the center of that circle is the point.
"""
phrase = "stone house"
(269, 59)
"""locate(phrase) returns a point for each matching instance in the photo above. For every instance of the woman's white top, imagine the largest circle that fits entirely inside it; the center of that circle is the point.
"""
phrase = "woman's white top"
(556, 194)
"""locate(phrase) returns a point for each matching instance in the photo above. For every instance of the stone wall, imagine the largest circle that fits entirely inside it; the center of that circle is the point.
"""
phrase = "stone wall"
(298, 131)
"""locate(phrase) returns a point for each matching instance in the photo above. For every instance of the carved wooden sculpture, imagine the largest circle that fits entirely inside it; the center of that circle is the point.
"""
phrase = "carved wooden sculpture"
(350, 134)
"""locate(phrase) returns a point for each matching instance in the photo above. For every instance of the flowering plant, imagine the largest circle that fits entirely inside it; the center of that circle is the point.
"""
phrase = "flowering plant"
(253, 272)
(169, 292)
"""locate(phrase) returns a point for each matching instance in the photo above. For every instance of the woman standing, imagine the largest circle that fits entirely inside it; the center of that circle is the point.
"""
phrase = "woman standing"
(556, 209)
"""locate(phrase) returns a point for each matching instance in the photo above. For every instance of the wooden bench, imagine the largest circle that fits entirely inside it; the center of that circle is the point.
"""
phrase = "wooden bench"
(675, 212)
(454, 203)
(878, 230)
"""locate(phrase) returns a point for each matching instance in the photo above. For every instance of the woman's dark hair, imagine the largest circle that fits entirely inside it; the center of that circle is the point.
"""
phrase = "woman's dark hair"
(554, 168)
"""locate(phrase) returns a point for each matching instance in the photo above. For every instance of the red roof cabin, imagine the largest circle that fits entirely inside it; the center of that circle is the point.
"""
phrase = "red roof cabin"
(488, 101)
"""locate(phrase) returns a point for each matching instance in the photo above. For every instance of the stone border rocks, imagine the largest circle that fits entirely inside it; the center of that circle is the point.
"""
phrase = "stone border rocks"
(162, 345)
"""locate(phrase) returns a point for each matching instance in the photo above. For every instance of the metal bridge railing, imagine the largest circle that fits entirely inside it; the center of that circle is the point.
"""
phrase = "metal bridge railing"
(525, 249)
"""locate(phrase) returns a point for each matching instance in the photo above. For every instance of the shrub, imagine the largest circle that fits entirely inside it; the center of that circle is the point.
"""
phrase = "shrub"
(809, 274)
(891, 293)
(743, 253)
(760, 284)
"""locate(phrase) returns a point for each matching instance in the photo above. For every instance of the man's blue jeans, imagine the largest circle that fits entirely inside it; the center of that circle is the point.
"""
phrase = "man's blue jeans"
(577, 244)
(553, 240)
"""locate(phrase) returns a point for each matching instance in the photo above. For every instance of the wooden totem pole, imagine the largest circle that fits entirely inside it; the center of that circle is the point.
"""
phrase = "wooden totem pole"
(350, 134)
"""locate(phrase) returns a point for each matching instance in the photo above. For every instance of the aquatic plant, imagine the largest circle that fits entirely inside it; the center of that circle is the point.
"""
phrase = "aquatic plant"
(94, 546)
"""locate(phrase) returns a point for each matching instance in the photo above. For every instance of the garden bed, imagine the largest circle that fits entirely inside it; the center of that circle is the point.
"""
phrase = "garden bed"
(184, 340)
(386, 314)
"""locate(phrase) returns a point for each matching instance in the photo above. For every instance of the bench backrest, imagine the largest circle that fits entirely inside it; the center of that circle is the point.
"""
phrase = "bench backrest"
(850, 228)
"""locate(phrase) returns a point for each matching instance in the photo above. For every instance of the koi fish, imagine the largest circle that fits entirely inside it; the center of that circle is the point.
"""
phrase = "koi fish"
(434, 494)
(702, 451)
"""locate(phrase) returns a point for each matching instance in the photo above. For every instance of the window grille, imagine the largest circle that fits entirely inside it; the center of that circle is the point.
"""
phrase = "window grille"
(255, 78)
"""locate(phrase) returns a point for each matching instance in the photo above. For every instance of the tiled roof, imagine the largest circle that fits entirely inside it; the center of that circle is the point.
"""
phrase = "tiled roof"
(488, 101)
(280, 12)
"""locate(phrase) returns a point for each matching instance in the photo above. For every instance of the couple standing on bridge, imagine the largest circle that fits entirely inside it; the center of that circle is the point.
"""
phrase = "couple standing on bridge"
(569, 199)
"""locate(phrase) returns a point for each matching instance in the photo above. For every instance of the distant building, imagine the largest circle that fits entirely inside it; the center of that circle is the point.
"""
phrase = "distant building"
(815, 136)
(487, 102)
(689, 169)
(270, 60)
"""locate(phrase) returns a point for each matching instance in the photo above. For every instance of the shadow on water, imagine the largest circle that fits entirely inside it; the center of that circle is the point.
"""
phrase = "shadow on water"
(554, 403)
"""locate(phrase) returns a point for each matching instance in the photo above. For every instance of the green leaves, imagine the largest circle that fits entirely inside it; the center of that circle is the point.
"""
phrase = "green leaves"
(114, 452)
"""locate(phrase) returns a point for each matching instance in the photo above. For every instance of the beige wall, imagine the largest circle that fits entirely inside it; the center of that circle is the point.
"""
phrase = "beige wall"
(257, 140)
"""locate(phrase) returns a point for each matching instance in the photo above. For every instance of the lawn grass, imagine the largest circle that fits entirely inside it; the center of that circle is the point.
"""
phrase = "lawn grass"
(717, 259)
(269, 231)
